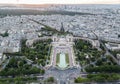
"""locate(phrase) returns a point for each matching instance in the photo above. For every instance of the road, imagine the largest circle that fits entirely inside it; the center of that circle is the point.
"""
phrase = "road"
(107, 51)
(62, 76)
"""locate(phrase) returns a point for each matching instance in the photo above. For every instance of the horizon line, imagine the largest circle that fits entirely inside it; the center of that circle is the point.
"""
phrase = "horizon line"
(61, 4)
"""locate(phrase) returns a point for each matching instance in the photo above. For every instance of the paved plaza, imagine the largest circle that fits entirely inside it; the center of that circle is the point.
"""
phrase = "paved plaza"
(63, 75)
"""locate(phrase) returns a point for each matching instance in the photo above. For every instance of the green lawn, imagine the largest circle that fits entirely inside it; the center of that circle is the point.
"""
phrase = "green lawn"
(67, 58)
(58, 58)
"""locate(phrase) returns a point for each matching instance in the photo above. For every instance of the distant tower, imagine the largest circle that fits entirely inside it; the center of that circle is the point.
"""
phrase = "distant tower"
(62, 28)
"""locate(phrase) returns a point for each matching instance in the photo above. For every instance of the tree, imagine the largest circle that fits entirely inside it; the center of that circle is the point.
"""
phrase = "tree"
(20, 63)
(5, 34)
(104, 68)
(50, 79)
(12, 62)
(80, 80)
(42, 71)
(99, 62)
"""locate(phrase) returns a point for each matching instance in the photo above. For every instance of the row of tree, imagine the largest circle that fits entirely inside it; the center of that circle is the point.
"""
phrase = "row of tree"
(17, 80)
(102, 77)
(104, 68)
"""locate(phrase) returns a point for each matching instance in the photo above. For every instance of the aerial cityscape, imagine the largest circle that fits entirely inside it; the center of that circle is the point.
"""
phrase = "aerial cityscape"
(59, 43)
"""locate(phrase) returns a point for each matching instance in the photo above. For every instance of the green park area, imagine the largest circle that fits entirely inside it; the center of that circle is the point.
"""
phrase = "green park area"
(101, 77)
(95, 63)
(38, 53)
(58, 58)
(18, 80)
(85, 53)
(17, 69)
(20, 64)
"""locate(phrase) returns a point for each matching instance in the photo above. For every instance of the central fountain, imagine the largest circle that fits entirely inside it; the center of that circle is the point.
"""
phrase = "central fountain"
(62, 61)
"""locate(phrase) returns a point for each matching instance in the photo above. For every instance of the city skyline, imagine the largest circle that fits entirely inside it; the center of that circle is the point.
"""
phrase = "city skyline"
(60, 2)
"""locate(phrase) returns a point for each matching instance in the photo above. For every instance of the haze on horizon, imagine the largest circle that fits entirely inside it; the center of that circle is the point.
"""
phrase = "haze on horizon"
(59, 1)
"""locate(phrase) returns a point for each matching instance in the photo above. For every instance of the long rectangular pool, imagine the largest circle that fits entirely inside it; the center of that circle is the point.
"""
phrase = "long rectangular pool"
(62, 61)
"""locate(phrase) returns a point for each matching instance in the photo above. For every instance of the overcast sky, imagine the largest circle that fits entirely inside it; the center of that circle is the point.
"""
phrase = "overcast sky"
(60, 1)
